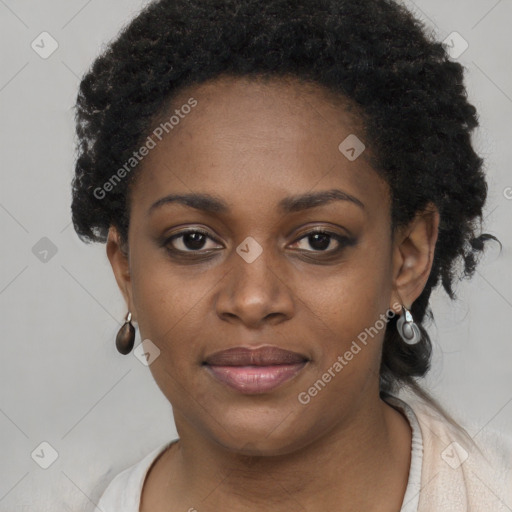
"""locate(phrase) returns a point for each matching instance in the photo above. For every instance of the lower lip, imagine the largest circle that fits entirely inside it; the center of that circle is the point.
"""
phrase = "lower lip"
(255, 379)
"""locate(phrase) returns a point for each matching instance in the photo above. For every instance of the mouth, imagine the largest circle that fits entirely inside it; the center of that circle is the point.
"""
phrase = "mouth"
(255, 371)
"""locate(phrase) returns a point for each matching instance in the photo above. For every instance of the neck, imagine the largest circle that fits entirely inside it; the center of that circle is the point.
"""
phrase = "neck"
(354, 466)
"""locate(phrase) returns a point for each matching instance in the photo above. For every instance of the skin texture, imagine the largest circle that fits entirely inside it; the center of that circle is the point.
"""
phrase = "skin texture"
(252, 144)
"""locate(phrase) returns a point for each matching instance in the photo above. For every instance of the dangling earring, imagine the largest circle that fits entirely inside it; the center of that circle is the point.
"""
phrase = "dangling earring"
(126, 336)
(407, 329)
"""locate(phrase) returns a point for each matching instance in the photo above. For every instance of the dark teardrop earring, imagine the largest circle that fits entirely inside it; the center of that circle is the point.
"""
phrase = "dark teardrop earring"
(126, 336)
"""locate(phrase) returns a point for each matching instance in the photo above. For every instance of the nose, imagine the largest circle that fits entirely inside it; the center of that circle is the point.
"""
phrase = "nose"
(256, 292)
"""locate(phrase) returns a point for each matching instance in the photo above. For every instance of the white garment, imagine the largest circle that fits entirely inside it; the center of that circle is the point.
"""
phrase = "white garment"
(446, 474)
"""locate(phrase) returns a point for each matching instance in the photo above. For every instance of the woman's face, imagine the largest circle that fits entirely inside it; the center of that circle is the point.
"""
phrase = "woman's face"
(261, 153)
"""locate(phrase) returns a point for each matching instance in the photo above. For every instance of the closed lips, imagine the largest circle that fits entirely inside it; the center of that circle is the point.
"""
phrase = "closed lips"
(253, 371)
(264, 356)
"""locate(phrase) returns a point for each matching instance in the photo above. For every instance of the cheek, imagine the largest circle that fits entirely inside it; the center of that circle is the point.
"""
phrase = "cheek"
(169, 314)
(173, 308)
(357, 292)
(351, 305)
(161, 298)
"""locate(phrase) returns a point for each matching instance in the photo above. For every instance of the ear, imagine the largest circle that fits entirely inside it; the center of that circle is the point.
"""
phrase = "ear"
(413, 254)
(117, 254)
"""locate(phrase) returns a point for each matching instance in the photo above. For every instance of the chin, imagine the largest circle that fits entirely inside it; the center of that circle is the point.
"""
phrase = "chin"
(254, 432)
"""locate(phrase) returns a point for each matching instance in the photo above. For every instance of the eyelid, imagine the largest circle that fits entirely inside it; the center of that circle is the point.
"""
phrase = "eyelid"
(316, 229)
(184, 231)
(332, 230)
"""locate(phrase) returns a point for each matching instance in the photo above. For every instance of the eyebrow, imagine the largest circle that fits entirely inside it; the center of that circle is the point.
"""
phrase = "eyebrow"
(212, 204)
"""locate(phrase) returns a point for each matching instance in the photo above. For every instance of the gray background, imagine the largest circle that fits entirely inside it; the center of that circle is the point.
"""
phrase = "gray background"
(62, 380)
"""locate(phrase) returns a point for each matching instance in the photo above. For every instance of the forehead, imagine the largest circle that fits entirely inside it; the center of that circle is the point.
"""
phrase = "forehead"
(256, 140)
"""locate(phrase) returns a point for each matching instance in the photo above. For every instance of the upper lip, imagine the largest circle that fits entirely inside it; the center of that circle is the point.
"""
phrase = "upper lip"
(262, 356)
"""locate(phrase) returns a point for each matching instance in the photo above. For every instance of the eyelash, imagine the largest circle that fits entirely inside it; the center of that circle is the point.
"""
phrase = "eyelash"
(343, 242)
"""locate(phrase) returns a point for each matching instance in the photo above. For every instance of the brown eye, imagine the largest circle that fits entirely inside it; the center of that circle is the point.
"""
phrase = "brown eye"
(323, 241)
(320, 241)
(188, 241)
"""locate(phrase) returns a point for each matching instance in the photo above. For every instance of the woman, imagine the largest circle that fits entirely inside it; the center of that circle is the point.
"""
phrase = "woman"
(280, 186)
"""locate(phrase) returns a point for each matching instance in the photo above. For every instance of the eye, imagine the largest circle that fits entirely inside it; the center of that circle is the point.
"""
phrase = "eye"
(322, 241)
(192, 240)
(196, 241)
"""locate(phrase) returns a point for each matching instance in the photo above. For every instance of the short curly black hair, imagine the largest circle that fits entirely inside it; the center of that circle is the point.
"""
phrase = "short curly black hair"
(374, 53)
